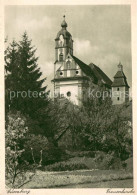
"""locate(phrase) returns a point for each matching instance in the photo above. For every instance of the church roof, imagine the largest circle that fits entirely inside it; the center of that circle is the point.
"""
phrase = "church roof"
(93, 71)
(120, 78)
(100, 74)
(84, 67)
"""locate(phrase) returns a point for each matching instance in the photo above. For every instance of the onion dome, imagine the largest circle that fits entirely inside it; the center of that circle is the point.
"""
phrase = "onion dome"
(64, 24)
(63, 31)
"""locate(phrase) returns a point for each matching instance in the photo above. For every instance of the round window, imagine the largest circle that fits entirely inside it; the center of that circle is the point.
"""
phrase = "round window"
(77, 71)
(61, 73)
(68, 93)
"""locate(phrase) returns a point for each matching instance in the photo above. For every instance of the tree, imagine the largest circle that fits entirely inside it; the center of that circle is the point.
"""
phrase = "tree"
(97, 109)
(107, 125)
(23, 75)
(15, 139)
(53, 121)
(11, 72)
(119, 132)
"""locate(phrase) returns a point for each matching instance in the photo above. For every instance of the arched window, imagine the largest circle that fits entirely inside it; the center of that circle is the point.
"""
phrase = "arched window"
(61, 44)
(61, 57)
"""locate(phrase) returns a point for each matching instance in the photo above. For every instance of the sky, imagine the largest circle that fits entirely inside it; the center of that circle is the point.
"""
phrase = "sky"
(101, 34)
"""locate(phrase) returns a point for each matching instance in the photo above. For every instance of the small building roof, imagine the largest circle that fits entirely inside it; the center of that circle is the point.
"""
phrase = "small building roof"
(120, 78)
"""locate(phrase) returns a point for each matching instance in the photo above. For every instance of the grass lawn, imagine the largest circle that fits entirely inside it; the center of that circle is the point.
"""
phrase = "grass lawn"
(78, 178)
(127, 183)
(90, 176)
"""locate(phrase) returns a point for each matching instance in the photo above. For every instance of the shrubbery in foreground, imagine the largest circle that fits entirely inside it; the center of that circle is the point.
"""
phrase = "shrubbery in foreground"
(65, 166)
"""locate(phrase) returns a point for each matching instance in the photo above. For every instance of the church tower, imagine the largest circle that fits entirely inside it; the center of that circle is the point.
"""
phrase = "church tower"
(69, 79)
(120, 87)
(63, 45)
(72, 77)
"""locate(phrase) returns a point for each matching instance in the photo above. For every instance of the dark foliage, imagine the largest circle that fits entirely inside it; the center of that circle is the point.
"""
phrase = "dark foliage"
(22, 78)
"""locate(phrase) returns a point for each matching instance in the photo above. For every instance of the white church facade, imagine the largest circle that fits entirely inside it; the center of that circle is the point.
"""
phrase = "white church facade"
(72, 77)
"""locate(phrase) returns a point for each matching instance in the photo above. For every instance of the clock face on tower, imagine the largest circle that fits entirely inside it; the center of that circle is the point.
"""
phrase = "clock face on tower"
(61, 41)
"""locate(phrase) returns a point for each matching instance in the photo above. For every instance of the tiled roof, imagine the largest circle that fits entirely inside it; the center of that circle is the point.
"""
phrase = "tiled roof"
(119, 74)
(84, 67)
(100, 74)
(120, 80)
(93, 71)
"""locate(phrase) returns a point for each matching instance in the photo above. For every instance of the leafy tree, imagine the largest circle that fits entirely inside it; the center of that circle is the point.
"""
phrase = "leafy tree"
(57, 119)
(107, 125)
(15, 135)
(76, 121)
(62, 119)
(97, 109)
(52, 120)
(118, 136)
(40, 151)
(35, 146)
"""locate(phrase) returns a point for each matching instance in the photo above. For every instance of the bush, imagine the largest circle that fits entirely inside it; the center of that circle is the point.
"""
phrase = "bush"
(35, 148)
(40, 151)
(129, 164)
(107, 161)
(55, 154)
(99, 156)
(65, 166)
(90, 154)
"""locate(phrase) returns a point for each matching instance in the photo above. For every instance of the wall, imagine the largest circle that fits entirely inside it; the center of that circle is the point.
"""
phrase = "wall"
(74, 87)
(118, 94)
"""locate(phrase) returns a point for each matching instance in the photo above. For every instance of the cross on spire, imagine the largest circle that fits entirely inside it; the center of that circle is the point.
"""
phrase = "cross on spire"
(64, 17)
(120, 67)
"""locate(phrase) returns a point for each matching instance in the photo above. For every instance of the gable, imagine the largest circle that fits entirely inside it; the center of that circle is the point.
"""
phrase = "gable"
(70, 68)
(74, 67)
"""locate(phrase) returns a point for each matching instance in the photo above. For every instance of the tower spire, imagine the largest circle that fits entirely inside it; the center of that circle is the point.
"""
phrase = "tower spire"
(120, 67)
(64, 24)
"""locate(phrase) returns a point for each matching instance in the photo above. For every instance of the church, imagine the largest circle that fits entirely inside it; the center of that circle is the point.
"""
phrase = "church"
(72, 77)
